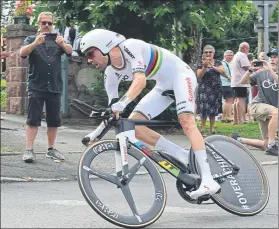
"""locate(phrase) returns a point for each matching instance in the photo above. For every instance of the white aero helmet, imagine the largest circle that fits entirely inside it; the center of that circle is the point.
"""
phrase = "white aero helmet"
(102, 39)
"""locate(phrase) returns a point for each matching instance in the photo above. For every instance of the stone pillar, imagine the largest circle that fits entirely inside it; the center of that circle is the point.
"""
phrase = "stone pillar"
(17, 69)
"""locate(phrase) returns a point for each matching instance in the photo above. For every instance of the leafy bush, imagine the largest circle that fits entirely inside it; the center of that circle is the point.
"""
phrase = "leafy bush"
(3, 94)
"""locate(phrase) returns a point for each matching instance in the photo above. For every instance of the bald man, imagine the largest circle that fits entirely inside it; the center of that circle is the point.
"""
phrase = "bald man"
(240, 64)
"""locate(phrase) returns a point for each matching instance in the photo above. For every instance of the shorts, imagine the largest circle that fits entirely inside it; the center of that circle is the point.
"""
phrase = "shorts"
(227, 92)
(183, 84)
(262, 113)
(36, 101)
(240, 92)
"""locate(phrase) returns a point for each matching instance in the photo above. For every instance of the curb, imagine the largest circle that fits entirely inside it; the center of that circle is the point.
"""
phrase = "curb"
(43, 152)
(13, 179)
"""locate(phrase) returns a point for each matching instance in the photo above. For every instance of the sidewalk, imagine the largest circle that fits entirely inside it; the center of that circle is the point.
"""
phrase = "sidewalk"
(68, 142)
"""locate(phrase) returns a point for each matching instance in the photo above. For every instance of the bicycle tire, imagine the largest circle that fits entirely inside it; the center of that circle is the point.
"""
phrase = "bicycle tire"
(251, 182)
(147, 218)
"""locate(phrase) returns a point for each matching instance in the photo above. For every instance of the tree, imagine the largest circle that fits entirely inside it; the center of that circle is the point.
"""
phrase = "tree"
(175, 25)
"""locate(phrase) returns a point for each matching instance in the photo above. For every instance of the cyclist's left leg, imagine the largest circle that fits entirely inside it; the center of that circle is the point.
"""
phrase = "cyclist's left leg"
(184, 86)
(148, 108)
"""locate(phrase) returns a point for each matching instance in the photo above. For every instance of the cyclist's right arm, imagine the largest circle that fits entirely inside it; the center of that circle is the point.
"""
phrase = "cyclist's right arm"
(111, 86)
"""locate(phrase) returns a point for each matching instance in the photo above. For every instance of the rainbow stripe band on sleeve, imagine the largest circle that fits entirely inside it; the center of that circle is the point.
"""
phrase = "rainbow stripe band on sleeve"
(155, 61)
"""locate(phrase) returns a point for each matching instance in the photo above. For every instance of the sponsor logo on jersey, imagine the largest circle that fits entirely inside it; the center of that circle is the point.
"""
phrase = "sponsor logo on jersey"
(190, 89)
(129, 52)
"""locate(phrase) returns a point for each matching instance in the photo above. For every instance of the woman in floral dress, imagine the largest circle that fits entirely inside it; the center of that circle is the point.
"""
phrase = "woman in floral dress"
(209, 94)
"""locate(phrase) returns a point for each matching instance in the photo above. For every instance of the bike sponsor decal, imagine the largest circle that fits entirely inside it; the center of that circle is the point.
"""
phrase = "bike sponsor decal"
(233, 182)
(143, 148)
(103, 146)
(129, 52)
(190, 89)
(106, 210)
(170, 167)
(124, 147)
(159, 196)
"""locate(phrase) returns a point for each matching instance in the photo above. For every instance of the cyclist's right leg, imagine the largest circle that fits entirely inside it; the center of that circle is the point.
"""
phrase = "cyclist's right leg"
(184, 86)
(148, 108)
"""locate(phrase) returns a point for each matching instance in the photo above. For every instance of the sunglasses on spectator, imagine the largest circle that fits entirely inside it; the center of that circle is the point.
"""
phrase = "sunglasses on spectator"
(47, 22)
(208, 52)
(90, 53)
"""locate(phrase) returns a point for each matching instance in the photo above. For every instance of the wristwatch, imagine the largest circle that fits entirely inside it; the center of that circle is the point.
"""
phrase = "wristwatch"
(250, 70)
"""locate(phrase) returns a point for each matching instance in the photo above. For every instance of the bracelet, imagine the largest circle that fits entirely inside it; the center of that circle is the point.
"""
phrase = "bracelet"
(250, 70)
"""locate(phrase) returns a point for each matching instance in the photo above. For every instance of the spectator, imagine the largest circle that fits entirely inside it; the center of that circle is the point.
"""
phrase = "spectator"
(264, 106)
(240, 64)
(76, 45)
(44, 84)
(226, 87)
(72, 34)
(209, 94)
(261, 56)
(249, 95)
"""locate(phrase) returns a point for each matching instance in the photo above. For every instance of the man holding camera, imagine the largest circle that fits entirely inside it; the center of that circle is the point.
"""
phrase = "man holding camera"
(44, 84)
(264, 106)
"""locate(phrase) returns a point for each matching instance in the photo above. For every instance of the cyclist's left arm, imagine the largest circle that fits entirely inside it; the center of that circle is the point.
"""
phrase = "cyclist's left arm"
(135, 57)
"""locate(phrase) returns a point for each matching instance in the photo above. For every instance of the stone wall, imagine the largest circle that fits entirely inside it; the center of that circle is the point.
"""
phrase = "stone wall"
(81, 78)
(17, 68)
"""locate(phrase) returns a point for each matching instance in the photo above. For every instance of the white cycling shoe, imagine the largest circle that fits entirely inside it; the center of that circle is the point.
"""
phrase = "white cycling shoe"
(208, 187)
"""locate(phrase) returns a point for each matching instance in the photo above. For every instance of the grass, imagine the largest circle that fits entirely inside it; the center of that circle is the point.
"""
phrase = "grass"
(3, 94)
(249, 130)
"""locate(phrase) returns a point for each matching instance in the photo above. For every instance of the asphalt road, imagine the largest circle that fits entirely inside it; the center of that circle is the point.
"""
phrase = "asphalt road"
(61, 205)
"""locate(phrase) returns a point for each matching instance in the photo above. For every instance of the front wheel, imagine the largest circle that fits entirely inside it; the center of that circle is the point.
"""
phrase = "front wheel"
(245, 193)
(124, 209)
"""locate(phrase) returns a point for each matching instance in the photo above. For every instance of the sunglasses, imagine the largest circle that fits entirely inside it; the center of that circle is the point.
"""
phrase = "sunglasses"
(47, 22)
(90, 53)
(208, 52)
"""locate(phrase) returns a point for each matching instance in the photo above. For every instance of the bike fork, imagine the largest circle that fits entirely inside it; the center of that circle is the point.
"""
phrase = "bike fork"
(121, 157)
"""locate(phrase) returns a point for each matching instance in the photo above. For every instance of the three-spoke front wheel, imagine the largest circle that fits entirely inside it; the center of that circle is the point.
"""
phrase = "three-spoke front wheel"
(127, 204)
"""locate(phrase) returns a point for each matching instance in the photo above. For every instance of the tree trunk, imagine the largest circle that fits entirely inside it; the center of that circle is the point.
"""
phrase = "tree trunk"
(193, 53)
(260, 42)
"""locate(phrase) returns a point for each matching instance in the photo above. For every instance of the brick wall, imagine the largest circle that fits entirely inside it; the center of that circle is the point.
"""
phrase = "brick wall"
(17, 68)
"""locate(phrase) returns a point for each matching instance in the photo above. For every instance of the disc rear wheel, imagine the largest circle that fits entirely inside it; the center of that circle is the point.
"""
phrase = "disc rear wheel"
(245, 193)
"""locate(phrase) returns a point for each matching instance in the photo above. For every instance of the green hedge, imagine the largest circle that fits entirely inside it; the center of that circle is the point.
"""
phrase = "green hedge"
(3, 94)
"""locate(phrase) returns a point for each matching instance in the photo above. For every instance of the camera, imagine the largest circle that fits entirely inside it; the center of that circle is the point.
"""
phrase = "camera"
(258, 63)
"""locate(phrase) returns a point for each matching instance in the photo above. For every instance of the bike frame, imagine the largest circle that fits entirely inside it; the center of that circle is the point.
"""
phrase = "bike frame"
(125, 133)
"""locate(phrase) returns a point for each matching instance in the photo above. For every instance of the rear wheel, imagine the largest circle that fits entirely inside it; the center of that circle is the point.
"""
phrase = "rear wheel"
(243, 194)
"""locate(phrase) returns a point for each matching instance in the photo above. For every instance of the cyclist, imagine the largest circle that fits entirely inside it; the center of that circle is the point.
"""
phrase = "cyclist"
(137, 61)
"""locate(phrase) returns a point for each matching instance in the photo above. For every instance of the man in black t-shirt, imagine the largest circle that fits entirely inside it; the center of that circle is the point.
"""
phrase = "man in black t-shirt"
(44, 84)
